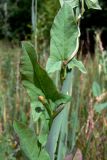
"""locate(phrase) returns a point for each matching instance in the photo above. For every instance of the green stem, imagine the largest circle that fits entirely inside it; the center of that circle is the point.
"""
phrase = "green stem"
(47, 106)
(83, 8)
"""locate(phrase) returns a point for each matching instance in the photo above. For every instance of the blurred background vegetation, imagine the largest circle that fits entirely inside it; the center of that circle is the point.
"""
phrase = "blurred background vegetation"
(15, 26)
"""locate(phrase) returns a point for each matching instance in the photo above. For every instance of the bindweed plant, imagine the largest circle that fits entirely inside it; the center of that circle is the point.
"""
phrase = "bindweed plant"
(47, 136)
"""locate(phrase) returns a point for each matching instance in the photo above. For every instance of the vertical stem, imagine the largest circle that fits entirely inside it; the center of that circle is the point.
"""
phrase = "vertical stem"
(82, 9)
(5, 113)
(18, 84)
(34, 21)
(36, 24)
(3, 89)
(66, 89)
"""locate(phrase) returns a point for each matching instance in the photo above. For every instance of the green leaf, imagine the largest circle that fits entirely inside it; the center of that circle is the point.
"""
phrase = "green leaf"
(75, 63)
(62, 148)
(58, 132)
(96, 89)
(41, 80)
(42, 139)
(64, 35)
(36, 106)
(74, 3)
(32, 90)
(74, 122)
(28, 143)
(53, 65)
(2, 156)
(26, 70)
(44, 155)
(54, 136)
(28, 140)
(100, 107)
(93, 4)
(36, 110)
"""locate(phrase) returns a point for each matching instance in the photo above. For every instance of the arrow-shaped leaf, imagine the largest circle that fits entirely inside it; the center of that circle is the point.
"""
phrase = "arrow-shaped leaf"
(64, 35)
(39, 77)
(75, 63)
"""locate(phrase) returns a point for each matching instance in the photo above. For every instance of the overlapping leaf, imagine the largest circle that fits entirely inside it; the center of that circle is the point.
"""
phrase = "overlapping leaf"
(43, 85)
(28, 142)
(64, 34)
(58, 133)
